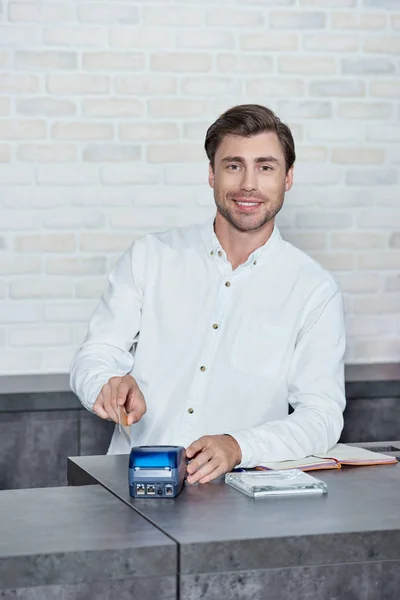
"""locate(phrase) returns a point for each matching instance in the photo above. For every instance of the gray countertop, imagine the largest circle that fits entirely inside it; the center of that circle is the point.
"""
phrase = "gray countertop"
(63, 536)
(220, 529)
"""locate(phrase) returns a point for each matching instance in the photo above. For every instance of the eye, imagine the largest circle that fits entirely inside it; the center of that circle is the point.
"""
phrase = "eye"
(233, 167)
(265, 168)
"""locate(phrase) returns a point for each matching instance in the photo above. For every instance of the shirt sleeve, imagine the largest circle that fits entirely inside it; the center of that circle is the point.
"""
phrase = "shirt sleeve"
(113, 329)
(316, 388)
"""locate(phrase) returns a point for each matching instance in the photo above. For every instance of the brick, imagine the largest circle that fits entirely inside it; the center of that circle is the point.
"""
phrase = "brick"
(297, 20)
(69, 312)
(40, 12)
(377, 350)
(357, 240)
(60, 361)
(111, 153)
(392, 284)
(67, 175)
(377, 304)
(244, 63)
(211, 86)
(324, 175)
(60, 242)
(74, 218)
(324, 220)
(359, 283)
(384, 132)
(337, 88)
(180, 62)
(76, 266)
(19, 84)
(82, 131)
(183, 196)
(195, 130)
(104, 242)
(145, 85)
(142, 37)
(378, 66)
(46, 60)
(112, 107)
(5, 153)
(46, 153)
(389, 44)
(395, 22)
(20, 35)
(128, 175)
(275, 87)
(235, 18)
(361, 326)
(19, 265)
(91, 288)
(21, 312)
(193, 174)
(44, 107)
(331, 42)
(148, 131)
(307, 65)
(305, 109)
(174, 16)
(5, 106)
(382, 217)
(175, 153)
(358, 19)
(360, 156)
(394, 241)
(15, 175)
(364, 110)
(307, 241)
(380, 261)
(335, 131)
(78, 84)
(11, 361)
(176, 107)
(106, 13)
(389, 88)
(205, 38)
(264, 3)
(371, 177)
(39, 336)
(338, 261)
(311, 153)
(41, 287)
(269, 41)
(347, 198)
(4, 59)
(113, 61)
(75, 35)
(159, 218)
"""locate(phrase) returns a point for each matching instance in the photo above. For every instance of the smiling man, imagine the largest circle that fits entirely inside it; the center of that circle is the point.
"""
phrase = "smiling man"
(208, 334)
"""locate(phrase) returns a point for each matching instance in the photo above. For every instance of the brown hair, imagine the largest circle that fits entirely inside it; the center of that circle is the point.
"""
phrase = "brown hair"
(247, 120)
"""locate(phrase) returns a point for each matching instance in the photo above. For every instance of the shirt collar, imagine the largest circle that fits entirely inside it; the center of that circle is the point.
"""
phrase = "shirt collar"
(215, 250)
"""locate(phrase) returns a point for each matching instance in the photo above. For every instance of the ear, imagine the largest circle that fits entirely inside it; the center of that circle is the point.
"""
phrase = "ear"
(289, 179)
(211, 176)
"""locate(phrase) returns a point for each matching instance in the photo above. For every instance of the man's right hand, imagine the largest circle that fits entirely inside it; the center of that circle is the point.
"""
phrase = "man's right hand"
(120, 391)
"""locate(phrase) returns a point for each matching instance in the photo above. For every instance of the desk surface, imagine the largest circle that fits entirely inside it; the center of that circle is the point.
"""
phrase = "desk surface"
(219, 528)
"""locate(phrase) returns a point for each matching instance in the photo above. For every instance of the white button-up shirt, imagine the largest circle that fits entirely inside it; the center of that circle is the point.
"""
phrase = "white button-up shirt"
(216, 350)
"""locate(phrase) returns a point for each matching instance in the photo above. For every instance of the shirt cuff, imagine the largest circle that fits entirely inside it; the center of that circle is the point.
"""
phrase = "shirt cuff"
(247, 458)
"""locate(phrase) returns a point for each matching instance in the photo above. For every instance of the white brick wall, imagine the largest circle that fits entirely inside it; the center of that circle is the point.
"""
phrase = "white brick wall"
(103, 112)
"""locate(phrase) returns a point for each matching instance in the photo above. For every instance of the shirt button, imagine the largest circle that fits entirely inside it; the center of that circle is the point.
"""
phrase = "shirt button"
(255, 262)
(212, 252)
(219, 253)
(228, 284)
(202, 368)
(190, 411)
(215, 326)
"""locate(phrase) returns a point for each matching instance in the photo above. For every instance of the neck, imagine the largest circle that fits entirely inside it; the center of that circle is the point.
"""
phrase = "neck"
(238, 245)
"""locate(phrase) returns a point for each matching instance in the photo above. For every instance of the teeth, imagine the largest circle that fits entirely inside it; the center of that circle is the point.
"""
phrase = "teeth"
(247, 203)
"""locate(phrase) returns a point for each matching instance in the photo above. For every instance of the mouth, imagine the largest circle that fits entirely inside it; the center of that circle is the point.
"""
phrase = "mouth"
(246, 205)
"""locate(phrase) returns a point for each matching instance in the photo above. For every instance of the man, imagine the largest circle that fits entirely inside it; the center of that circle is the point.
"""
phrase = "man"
(206, 334)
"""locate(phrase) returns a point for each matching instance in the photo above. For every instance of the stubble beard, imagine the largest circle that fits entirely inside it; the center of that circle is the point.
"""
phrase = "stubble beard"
(248, 222)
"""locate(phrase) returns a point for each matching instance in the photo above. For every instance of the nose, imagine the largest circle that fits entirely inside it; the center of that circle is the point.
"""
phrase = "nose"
(249, 180)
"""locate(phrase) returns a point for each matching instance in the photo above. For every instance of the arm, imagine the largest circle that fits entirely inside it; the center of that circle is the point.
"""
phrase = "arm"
(316, 388)
(113, 329)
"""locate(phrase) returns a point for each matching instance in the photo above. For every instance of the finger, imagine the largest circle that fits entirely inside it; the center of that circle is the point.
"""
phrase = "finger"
(200, 460)
(135, 406)
(110, 409)
(121, 393)
(204, 471)
(98, 408)
(220, 470)
(196, 447)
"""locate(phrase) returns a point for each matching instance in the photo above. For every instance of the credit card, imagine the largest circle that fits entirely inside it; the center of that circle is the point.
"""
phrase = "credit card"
(123, 426)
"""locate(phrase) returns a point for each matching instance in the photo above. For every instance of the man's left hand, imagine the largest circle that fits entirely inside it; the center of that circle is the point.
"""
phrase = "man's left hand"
(213, 455)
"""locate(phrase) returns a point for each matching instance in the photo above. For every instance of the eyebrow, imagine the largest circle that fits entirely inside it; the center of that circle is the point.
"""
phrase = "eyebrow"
(259, 159)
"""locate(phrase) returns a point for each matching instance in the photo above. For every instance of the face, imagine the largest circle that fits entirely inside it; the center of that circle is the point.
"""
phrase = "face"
(250, 180)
